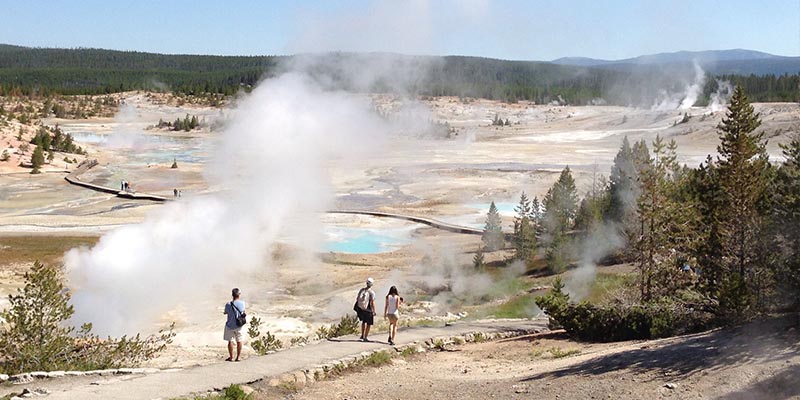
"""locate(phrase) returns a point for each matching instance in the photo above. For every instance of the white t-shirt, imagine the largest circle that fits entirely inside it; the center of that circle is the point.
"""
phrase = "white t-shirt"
(392, 302)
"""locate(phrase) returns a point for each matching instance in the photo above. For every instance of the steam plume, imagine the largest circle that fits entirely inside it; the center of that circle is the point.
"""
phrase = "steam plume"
(267, 180)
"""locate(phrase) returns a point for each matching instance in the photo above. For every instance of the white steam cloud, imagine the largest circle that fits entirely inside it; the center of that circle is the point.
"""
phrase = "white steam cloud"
(603, 239)
(719, 99)
(268, 182)
(685, 99)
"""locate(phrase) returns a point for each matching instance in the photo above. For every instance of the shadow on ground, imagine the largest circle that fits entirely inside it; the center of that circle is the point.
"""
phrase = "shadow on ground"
(769, 340)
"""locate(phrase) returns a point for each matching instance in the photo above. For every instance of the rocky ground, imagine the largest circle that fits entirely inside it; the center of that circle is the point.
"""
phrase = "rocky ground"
(757, 361)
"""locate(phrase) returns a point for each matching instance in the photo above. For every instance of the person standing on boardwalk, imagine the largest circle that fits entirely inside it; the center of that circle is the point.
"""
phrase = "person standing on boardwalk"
(233, 330)
(365, 308)
(392, 311)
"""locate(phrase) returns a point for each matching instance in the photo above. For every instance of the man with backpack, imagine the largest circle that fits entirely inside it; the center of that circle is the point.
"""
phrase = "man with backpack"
(233, 326)
(365, 308)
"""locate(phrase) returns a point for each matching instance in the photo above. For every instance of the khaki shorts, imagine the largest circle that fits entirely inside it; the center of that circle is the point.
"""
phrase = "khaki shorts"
(232, 335)
(392, 318)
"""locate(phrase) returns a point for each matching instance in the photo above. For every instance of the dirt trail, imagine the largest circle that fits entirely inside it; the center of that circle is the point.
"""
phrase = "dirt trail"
(758, 361)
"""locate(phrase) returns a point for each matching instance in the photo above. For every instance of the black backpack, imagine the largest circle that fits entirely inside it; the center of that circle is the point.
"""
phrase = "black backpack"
(241, 318)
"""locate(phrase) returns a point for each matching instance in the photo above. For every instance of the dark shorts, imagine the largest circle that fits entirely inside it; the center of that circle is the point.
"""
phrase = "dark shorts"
(365, 316)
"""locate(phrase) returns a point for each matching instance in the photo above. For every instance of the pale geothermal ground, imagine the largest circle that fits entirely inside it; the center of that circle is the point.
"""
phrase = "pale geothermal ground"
(448, 179)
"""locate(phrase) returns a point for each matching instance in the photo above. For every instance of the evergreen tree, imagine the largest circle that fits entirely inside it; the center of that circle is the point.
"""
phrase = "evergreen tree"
(36, 338)
(561, 204)
(37, 160)
(524, 231)
(737, 260)
(624, 190)
(36, 335)
(787, 211)
(493, 232)
(537, 217)
(667, 225)
(560, 207)
(477, 260)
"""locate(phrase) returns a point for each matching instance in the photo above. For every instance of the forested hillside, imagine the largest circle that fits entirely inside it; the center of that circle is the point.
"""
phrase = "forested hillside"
(26, 71)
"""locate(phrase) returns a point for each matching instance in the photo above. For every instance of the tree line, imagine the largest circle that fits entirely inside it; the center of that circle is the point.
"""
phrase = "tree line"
(713, 245)
(36, 71)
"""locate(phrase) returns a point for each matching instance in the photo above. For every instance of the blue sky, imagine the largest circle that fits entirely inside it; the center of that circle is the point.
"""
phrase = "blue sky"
(524, 29)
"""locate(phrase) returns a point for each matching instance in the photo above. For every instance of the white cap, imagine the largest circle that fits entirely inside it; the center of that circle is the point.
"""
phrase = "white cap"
(370, 281)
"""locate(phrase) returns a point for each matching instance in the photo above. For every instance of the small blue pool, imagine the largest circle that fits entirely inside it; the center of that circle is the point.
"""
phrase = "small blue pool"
(364, 241)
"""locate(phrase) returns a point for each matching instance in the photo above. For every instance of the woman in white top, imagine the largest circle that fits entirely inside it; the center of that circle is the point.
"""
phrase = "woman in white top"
(392, 312)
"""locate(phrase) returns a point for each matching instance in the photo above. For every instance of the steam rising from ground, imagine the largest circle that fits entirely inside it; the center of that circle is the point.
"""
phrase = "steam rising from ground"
(124, 134)
(603, 239)
(720, 98)
(688, 97)
(267, 180)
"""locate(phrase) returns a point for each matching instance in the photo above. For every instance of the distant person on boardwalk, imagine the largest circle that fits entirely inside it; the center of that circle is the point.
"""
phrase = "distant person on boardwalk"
(233, 331)
(365, 308)
(392, 311)
(175, 192)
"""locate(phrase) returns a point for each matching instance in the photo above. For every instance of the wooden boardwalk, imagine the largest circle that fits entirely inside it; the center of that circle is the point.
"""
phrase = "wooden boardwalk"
(74, 178)
(445, 226)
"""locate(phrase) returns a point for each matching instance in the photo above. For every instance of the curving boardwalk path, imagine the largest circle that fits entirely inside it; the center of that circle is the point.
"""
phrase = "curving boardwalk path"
(167, 385)
(74, 178)
(420, 220)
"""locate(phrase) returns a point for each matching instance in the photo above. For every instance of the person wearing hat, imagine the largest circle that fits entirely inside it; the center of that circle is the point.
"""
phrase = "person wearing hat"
(365, 308)
(233, 331)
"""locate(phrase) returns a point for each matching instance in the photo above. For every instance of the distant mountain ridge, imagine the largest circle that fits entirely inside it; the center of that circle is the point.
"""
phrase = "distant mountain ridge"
(734, 61)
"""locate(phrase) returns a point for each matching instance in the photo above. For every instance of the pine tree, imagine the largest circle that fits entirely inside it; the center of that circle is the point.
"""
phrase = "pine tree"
(560, 208)
(624, 190)
(524, 231)
(493, 232)
(37, 160)
(787, 211)
(667, 233)
(561, 204)
(36, 337)
(737, 264)
(537, 217)
(477, 260)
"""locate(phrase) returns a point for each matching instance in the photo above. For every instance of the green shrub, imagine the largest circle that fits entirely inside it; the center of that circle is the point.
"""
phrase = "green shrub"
(409, 351)
(298, 340)
(556, 352)
(233, 392)
(348, 325)
(377, 359)
(586, 321)
(262, 344)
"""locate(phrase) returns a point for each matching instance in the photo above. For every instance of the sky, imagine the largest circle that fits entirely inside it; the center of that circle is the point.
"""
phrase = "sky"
(510, 29)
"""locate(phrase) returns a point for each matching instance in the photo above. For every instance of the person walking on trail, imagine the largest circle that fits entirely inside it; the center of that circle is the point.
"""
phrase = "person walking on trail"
(365, 308)
(233, 330)
(392, 311)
